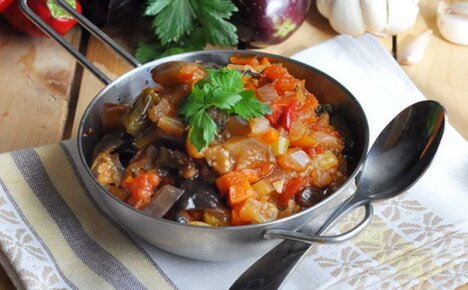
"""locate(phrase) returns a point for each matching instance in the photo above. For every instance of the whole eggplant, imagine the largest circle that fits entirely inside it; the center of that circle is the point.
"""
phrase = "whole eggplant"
(261, 23)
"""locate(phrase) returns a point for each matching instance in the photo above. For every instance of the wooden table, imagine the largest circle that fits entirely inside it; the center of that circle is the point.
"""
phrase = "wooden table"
(43, 92)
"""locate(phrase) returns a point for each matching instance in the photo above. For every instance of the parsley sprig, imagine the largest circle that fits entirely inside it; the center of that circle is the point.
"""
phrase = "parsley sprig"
(222, 89)
(187, 25)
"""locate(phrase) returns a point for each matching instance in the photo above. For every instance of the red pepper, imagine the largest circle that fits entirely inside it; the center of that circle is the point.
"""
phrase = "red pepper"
(293, 186)
(48, 10)
(289, 115)
(284, 114)
(4, 4)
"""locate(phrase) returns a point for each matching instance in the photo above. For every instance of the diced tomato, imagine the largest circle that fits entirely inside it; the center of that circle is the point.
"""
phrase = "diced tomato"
(244, 60)
(285, 84)
(240, 192)
(277, 111)
(292, 187)
(141, 188)
(310, 103)
(275, 71)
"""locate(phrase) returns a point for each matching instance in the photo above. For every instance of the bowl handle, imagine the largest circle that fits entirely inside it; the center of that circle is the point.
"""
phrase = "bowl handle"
(310, 239)
(86, 24)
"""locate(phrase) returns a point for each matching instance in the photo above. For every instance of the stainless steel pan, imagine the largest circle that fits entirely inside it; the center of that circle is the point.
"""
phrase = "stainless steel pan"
(209, 243)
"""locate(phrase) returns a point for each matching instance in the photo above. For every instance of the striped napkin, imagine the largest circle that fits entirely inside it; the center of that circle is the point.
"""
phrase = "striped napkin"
(53, 235)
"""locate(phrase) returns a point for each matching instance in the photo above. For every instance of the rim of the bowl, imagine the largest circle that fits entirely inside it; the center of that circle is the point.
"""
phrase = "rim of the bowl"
(151, 64)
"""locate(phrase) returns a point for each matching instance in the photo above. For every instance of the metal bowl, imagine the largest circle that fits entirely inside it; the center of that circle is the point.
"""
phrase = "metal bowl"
(223, 243)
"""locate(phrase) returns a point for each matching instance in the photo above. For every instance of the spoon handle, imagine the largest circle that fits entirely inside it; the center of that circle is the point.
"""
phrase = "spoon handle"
(272, 270)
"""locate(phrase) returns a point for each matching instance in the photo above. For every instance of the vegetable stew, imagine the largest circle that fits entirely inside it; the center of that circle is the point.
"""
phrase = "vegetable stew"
(221, 146)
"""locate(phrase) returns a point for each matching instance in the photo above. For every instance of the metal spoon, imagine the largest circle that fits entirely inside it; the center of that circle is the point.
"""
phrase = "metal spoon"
(398, 158)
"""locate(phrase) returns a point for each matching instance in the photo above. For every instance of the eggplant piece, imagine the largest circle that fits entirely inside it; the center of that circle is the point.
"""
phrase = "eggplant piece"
(168, 159)
(111, 115)
(219, 117)
(126, 150)
(200, 196)
(163, 200)
(310, 195)
(261, 23)
(108, 143)
(156, 136)
(198, 199)
(205, 171)
(143, 160)
(135, 119)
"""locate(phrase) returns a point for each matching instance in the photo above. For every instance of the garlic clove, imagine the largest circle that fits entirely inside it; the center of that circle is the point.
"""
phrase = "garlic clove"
(413, 52)
(346, 17)
(453, 23)
(324, 7)
(375, 15)
(402, 15)
(460, 8)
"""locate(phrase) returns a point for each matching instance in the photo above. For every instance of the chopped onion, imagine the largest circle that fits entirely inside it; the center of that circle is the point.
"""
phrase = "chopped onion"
(279, 185)
(163, 200)
(267, 93)
(259, 125)
(327, 140)
(300, 157)
(263, 187)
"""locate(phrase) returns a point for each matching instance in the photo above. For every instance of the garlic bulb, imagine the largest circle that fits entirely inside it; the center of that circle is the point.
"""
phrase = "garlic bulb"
(413, 52)
(453, 22)
(380, 17)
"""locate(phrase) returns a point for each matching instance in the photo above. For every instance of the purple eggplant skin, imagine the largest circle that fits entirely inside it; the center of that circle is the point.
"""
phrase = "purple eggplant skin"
(261, 23)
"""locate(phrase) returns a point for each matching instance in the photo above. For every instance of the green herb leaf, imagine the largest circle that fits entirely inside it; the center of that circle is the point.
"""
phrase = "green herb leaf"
(222, 89)
(213, 16)
(148, 51)
(173, 20)
(155, 6)
(194, 103)
(202, 130)
(249, 106)
(188, 25)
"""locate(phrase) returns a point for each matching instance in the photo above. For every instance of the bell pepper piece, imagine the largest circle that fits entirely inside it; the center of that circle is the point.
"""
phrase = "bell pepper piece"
(4, 4)
(240, 192)
(229, 179)
(48, 10)
(289, 115)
